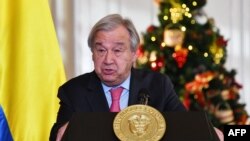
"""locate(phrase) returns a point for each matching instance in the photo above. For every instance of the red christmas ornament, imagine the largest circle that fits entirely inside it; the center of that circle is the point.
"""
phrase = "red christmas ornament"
(153, 66)
(186, 101)
(140, 51)
(242, 120)
(209, 32)
(158, 64)
(151, 28)
(232, 95)
(200, 99)
(221, 42)
(180, 56)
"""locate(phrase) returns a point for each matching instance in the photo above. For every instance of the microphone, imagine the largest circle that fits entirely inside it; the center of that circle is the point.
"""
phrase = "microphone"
(143, 96)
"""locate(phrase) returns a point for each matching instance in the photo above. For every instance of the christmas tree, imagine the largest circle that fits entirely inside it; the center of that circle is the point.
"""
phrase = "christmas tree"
(189, 48)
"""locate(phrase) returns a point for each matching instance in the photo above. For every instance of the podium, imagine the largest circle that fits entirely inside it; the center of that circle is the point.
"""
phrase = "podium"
(180, 126)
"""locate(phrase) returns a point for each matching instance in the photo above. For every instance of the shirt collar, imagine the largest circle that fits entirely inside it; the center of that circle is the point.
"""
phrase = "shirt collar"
(125, 85)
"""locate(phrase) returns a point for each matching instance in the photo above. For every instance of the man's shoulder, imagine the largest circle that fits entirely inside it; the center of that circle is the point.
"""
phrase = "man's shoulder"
(82, 79)
(149, 76)
(148, 73)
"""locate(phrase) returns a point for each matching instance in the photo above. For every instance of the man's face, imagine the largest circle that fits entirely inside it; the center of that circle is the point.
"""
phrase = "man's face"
(112, 56)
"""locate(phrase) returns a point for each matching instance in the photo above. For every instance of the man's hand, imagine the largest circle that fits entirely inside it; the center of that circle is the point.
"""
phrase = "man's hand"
(61, 132)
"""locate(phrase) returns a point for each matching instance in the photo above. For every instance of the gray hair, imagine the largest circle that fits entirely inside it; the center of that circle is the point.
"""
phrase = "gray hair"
(109, 23)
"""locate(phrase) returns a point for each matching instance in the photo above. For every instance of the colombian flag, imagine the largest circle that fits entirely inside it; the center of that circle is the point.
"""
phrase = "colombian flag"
(31, 70)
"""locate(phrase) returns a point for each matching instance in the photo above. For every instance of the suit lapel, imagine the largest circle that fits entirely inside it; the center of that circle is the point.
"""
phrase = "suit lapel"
(96, 96)
(135, 86)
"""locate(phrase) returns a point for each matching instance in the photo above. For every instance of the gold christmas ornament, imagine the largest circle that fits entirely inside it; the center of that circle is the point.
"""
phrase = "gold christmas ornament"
(173, 37)
(217, 52)
(144, 58)
(225, 94)
(176, 14)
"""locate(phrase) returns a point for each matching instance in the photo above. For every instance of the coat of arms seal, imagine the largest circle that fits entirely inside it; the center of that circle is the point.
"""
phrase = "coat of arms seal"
(139, 123)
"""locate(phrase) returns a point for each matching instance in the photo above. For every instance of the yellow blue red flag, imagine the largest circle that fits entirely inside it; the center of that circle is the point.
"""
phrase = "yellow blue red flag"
(5, 134)
(31, 68)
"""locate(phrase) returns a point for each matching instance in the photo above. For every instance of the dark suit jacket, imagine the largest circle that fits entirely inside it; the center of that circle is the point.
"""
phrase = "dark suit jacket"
(85, 94)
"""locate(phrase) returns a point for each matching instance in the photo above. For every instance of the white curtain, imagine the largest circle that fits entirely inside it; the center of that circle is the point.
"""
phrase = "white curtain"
(74, 19)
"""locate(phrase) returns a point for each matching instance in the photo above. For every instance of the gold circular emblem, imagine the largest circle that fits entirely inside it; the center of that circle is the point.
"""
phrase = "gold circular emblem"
(139, 123)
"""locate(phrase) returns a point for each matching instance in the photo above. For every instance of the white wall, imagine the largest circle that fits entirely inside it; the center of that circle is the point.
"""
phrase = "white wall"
(73, 20)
